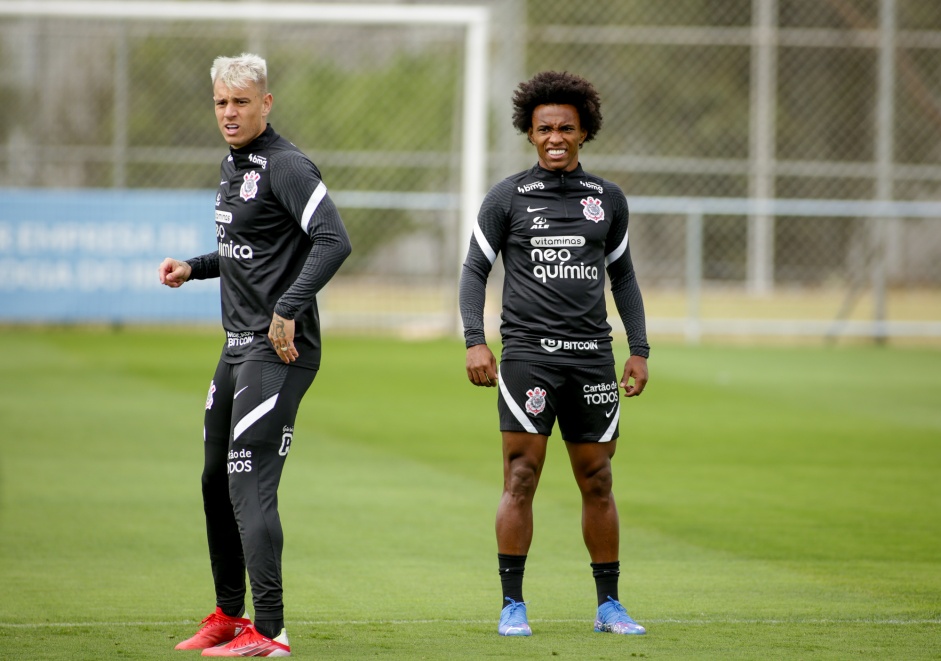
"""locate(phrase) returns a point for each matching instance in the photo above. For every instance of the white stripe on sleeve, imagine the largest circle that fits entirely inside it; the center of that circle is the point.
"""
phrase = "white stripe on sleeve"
(484, 244)
(316, 197)
(615, 254)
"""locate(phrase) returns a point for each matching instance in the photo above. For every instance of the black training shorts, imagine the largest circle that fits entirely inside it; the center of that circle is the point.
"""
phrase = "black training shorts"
(585, 399)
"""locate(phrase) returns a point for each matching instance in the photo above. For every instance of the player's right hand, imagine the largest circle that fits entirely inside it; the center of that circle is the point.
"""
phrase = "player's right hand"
(173, 272)
(481, 366)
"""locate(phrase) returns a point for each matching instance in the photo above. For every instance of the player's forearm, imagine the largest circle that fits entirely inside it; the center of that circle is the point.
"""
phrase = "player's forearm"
(324, 260)
(473, 295)
(630, 306)
(205, 266)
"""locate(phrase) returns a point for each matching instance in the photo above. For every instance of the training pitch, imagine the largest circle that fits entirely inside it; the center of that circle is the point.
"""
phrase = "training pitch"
(776, 503)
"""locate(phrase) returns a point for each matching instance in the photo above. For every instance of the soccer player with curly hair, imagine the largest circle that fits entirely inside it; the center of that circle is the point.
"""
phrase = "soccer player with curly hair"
(559, 229)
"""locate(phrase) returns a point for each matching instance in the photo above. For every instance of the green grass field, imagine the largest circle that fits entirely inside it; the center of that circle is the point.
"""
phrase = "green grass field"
(776, 503)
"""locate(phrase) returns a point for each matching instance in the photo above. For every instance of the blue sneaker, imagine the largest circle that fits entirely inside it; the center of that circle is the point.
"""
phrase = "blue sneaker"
(612, 618)
(513, 620)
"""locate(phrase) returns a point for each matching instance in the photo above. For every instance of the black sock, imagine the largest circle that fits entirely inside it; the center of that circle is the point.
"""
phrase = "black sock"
(511, 576)
(233, 611)
(270, 628)
(606, 579)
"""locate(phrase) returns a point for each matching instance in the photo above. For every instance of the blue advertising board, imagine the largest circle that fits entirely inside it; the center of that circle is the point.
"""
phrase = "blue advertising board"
(76, 256)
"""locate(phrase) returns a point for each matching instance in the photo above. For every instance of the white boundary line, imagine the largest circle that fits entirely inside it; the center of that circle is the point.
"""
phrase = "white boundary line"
(705, 621)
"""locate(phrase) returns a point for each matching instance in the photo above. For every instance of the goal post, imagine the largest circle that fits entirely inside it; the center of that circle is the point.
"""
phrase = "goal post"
(472, 20)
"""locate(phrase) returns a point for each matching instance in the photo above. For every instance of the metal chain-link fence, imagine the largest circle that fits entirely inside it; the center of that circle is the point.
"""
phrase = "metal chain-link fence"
(760, 99)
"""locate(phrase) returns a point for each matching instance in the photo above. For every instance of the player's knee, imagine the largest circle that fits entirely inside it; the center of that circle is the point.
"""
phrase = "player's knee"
(521, 480)
(215, 485)
(215, 476)
(597, 483)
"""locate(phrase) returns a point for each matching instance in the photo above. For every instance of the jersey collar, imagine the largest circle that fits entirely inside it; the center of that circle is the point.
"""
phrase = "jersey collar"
(541, 173)
(261, 142)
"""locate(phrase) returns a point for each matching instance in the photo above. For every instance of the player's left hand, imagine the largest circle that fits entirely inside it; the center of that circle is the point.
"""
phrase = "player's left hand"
(281, 336)
(636, 368)
(481, 366)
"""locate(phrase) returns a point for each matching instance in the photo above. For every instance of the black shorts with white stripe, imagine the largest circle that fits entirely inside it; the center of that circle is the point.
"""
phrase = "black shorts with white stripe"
(584, 399)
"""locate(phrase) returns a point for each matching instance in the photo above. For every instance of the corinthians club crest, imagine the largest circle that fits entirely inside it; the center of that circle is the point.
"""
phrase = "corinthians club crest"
(593, 210)
(212, 389)
(250, 186)
(536, 403)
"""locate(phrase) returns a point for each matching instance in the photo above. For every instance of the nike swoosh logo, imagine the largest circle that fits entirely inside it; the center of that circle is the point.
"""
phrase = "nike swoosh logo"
(239, 392)
(608, 414)
(531, 209)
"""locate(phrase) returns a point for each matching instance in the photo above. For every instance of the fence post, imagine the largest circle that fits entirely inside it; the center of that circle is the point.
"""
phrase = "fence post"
(121, 110)
(694, 249)
(762, 153)
(879, 227)
(885, 156)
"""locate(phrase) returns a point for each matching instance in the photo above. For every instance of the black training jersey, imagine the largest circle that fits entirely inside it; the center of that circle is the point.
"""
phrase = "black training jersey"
(280, 240)
(559, 233)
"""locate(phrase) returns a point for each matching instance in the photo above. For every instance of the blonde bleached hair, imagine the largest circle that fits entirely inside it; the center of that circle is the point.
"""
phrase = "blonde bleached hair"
(240, 72)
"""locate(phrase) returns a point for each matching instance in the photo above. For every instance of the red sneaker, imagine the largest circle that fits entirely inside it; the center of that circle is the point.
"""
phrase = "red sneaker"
(252, 643)
(217, 628)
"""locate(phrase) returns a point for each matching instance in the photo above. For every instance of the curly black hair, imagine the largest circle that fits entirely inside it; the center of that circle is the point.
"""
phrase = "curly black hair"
(557, 88)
